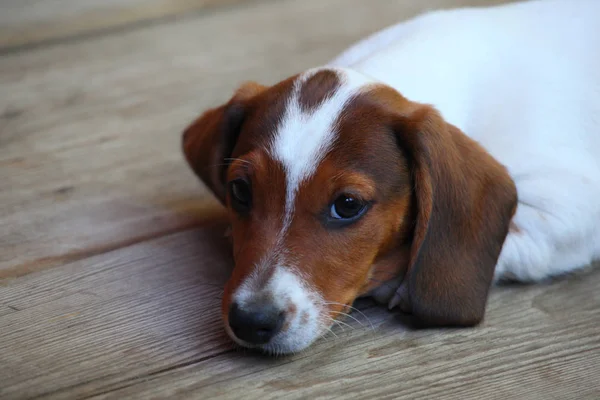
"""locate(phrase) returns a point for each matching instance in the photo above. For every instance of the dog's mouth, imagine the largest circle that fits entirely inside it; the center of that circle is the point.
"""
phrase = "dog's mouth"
(296, 332)
(272, 331)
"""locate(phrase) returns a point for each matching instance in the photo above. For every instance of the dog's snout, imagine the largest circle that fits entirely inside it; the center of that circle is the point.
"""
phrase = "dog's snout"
(255, 325)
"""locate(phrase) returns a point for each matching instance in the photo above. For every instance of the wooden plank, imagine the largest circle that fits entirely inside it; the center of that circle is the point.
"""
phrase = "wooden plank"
(4, 310)
(531, 346)
(92, 181)
(90, 131)
(143, 322)
(24, 23)
(99, 318)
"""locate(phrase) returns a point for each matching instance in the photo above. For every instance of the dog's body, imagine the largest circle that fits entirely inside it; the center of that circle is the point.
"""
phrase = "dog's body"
(521, 80)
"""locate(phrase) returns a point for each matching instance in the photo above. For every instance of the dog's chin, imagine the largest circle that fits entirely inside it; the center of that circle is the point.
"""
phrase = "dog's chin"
(293, 340)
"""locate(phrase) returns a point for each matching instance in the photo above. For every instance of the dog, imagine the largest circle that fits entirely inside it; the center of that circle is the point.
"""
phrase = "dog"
(422, 165)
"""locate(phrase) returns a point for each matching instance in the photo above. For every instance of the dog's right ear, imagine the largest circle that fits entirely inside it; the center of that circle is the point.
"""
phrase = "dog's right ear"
(209, 141)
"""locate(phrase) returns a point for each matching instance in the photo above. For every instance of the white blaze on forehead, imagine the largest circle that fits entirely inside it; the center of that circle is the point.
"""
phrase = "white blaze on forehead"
(304, 137)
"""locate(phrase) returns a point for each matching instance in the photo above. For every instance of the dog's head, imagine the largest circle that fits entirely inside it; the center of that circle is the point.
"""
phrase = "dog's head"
(335, 184)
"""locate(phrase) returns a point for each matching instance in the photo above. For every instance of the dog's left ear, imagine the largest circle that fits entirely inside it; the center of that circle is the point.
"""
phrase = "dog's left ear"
(465, 200)
(209, 140)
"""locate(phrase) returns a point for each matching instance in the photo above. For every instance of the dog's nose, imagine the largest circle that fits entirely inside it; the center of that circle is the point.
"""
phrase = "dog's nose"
(256, 325)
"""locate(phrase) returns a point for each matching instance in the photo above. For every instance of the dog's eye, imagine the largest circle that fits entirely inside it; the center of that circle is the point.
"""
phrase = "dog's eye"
(241, 195)
(347, 207)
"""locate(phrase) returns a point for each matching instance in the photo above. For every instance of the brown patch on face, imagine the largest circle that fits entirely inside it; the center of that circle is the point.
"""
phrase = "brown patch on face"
(317, 89)
(254, 235)
(291, 309)
(304, 318)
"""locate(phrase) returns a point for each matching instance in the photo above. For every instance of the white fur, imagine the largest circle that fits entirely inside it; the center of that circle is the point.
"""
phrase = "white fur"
(524, 81)
(304, 138)
(285, 287)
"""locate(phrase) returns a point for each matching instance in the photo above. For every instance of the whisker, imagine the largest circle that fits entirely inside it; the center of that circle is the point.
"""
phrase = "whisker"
(343, 323)
(333, 321)
(364, 316)
(348, 315)
(328, 328)
(354, 309)
(332, 332)
(278, 351)
(228, 162)
(238, 159)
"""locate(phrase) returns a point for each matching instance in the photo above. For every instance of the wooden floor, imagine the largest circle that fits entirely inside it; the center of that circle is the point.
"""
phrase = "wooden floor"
(111, 253)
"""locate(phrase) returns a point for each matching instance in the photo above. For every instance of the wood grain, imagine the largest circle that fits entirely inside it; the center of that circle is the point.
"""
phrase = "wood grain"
(143, 322)
(28, 23)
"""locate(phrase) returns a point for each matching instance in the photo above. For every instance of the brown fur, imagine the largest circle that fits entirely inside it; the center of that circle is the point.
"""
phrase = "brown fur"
(317, 89)
(441, 205)
(465, 201)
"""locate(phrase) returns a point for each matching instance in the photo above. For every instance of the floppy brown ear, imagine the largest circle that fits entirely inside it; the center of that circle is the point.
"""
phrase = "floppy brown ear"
(465, 201)
(210, 139)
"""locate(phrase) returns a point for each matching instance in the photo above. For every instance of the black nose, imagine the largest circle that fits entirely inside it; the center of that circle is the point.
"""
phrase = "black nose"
(256, 325)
